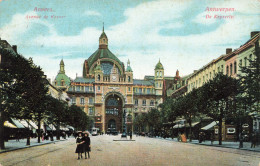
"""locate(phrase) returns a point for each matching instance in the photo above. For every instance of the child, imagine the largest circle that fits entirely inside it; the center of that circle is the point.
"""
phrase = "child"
(86, 140)
(80, 146)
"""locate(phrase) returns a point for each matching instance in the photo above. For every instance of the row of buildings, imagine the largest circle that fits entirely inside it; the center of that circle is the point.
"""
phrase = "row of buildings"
(107, 87)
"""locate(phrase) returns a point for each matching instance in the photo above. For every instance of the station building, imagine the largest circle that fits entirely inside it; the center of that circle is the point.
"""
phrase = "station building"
(107, 88)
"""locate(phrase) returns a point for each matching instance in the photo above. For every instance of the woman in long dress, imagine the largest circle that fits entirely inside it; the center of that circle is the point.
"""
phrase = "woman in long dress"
(86, 140)
(80, 146)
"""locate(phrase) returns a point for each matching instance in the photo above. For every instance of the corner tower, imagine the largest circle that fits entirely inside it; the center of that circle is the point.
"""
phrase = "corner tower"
(62, 80)
(129, 73)
(158, 78)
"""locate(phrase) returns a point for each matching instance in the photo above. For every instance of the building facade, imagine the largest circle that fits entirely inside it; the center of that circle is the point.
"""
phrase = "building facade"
(229, 64)
(107, 89)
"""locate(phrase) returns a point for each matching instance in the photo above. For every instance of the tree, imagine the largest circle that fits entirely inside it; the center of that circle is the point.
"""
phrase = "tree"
(79, 119)
(218, 94)
(35, 94)
(191, 105)
(249, 78)
(154, 120)
(57, 112)
(13, 85)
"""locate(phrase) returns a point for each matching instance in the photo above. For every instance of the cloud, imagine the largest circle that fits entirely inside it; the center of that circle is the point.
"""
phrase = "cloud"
(20, 24)
(84, 39)
(91, 13)
(139, 36)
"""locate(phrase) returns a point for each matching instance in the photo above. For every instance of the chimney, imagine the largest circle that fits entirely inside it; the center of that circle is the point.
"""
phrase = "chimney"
(253, 33)
(228, 50)
(194, 71)
(14, 48)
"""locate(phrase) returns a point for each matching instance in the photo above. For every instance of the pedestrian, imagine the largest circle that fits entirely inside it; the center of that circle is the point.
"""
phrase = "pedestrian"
(130, 135)
(212, 137)
(18, 136)
(253, 140)
(80, 146)
(241, 138)
(200, 137)
(86, 140)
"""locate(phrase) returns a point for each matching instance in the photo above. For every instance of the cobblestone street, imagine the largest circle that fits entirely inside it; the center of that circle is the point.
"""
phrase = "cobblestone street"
(142, 151)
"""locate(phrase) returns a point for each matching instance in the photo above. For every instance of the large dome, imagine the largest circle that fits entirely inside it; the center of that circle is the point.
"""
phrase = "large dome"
(106, 57)
(103, 55)
(62, 80)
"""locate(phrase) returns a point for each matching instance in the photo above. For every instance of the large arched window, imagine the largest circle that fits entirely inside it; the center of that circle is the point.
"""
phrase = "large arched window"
(98, 78)
(160, 74)
(112, 102)
(157, 73)
(129, 78)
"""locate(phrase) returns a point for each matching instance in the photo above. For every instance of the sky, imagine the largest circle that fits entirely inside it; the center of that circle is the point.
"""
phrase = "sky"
(178, 32)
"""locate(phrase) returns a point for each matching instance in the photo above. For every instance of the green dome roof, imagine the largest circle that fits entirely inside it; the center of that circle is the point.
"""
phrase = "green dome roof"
(159, 66)
(60, 77)
(103, 53)
(129, 69)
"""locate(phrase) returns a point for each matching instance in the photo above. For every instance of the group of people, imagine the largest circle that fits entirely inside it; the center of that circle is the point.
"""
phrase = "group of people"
(83, 145)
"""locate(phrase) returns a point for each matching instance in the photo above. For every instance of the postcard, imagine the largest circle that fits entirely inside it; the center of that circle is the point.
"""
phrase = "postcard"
(133, 82)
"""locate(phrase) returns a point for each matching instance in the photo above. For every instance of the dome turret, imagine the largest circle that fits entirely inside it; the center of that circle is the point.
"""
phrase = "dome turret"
(129, 69)
(103, 40)
(62, 80)
(159, 66)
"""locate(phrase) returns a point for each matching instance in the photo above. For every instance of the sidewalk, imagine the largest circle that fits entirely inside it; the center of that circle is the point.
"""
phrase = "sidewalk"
(225, 144)
(12, 145)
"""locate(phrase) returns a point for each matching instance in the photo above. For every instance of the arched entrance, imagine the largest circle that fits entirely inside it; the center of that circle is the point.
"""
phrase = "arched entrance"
(113, 108)
(111, 124)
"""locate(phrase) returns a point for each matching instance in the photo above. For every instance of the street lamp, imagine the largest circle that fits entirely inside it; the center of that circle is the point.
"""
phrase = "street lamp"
(124, 134)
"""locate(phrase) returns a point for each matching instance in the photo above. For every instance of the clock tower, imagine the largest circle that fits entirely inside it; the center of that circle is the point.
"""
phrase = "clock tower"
(114, 75)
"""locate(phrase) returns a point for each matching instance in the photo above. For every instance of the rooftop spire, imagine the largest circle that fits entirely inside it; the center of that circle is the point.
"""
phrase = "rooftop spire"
(103, 40)
(62, 70)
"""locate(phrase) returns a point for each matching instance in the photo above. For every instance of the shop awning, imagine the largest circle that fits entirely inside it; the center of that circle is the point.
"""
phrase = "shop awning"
(17, 123)
(64, 128)
(25, 124)
(209, 126)
(70, 127)
(192, 124)
(52, 126)
(33, 124)
(183, 125)
(47, 127)
(9, 125)
(178, 126)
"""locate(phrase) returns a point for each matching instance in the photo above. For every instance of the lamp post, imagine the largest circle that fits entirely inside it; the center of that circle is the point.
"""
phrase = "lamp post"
(124, 134)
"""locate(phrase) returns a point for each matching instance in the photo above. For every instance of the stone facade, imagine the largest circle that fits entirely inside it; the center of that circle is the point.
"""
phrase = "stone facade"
(107, 89)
